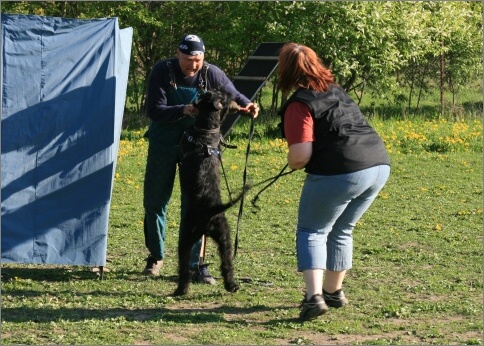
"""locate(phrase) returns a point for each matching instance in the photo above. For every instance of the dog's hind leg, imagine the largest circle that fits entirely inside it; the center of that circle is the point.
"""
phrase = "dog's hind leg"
(220, 233)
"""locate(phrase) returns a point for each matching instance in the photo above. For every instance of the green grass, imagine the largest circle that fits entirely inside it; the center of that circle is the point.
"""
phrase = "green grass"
(416, 277)
(464, 104)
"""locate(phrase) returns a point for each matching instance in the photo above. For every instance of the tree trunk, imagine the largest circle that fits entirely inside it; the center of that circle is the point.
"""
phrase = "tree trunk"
(442, 71)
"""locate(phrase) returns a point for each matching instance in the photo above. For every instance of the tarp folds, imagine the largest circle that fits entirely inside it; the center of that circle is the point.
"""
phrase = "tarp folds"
(63, 93)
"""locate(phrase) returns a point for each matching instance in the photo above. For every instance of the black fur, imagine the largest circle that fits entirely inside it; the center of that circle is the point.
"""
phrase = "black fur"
(200, 185)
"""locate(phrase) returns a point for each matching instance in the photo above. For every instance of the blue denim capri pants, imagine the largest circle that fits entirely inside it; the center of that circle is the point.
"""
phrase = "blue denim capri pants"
(329, 208)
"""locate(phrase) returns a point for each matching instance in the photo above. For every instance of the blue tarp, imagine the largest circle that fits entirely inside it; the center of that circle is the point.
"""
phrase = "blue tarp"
(63, 93)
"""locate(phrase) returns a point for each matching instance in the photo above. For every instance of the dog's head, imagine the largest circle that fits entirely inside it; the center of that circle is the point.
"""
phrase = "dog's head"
(213, 103)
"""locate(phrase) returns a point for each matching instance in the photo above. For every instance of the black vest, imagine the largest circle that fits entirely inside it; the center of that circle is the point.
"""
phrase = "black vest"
(344, 141)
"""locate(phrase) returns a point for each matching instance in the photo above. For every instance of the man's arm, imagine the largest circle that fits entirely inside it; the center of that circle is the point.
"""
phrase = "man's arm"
(218, 78)
(221, 79)
(156, 108)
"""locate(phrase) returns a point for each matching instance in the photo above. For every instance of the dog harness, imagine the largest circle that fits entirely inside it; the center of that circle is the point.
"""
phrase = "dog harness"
(202, 149)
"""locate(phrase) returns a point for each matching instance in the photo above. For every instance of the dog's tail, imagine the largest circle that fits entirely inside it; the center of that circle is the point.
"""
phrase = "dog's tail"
(217, 209)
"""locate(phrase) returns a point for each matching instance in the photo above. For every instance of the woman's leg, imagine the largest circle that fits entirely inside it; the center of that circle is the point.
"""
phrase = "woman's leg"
(324, 200)
(340, 239)
(313, 278)
(333, 281)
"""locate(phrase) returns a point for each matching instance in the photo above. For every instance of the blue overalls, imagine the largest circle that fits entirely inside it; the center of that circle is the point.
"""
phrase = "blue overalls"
(162, 160)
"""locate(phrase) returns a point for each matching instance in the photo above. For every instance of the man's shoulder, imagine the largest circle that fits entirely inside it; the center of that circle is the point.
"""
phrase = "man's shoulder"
(160, 72)
(214, 70)
(163, 63)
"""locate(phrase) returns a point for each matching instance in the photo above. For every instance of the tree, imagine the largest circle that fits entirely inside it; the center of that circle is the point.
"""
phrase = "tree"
(443, 46)
(381, 47)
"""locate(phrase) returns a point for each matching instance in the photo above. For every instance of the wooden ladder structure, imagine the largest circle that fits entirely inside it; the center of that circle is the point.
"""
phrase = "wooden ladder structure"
(256, 71)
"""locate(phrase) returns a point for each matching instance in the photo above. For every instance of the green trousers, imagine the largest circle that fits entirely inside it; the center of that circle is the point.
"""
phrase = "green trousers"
(161, 167)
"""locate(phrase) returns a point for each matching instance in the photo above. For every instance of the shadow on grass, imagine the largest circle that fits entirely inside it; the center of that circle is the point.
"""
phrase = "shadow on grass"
(84, 273)
(59, 274)
(202, 315)
(75, 274)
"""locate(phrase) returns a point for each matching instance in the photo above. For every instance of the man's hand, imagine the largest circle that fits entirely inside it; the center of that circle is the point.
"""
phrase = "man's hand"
(252, 109)
(190, 110)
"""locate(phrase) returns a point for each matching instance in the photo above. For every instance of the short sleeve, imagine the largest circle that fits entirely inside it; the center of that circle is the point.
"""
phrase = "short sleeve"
(298, 123)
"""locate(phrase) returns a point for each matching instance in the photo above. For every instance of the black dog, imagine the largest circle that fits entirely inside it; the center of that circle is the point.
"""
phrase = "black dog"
(200, 185)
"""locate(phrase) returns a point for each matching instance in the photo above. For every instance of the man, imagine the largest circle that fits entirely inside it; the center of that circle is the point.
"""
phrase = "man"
(174, 85)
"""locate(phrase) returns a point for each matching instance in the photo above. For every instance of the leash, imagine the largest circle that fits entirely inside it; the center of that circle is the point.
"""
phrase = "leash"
(228, 146)
(271, 181)
(225, 177)
(244, 182)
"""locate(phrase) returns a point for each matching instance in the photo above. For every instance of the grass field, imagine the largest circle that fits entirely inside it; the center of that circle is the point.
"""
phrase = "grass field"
(416, 277)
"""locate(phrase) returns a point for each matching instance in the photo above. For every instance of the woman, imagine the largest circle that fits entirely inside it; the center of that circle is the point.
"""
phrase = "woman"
(346, 164)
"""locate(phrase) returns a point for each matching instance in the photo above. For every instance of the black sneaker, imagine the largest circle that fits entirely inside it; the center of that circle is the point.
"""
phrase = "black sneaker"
(336, 299)
(202, 276)
(312, 308)
(153, 266)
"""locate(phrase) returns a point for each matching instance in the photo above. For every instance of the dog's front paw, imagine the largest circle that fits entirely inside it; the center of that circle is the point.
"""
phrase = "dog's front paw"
(231, 287)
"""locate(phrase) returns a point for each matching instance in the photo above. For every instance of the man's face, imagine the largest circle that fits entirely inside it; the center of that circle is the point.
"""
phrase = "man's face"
(190, 64)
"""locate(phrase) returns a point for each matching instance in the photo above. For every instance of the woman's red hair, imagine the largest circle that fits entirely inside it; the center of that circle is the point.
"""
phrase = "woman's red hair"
(299, 66)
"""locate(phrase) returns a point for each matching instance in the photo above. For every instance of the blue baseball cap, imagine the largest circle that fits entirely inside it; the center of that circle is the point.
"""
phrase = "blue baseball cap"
(192, 45)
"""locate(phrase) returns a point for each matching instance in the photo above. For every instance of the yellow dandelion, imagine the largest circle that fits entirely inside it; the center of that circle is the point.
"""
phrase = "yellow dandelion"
(383, 195)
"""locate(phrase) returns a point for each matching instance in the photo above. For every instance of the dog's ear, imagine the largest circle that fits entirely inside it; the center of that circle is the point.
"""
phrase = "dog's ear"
(217, 103)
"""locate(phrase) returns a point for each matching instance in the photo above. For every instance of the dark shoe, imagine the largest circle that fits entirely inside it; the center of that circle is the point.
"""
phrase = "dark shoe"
(312, 308)
(336, 299)
(153, 266)
(202, 276)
